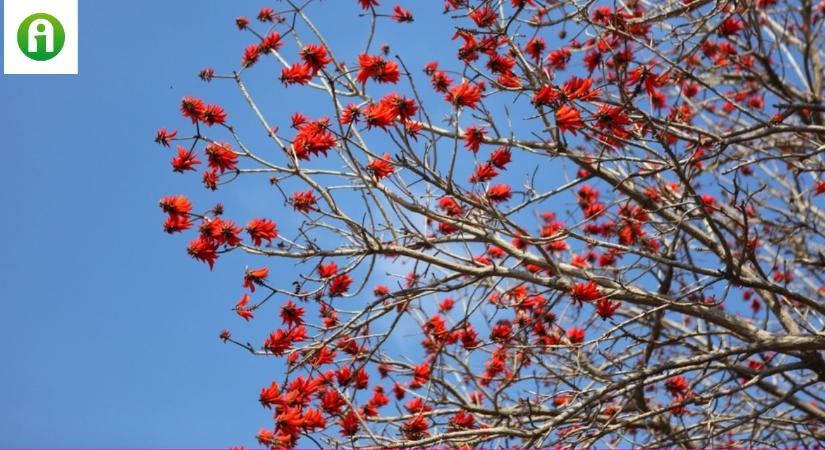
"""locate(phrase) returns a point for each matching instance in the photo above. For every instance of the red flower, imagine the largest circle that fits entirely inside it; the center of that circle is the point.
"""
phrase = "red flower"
(339, 285)
(192, 108)
(242, 310)
(213, 114)
(558, 59)
(585, 292)
(315, 57)
(210, 179)
(403, 108)
(289, 421)
(381, 168)
(730, 27)
(270, 395)
(351, 114)
(177, 205)
(242, 23)
(446, 305)
(605, 308)
(265, 437)
(366, 4)
(304, 201)
(203, 250)
(278, 342)
(379, 115)
(253, 277)
(501, 157)
(221, 157)
(440, 81)
(576, 335)
(473, 137)
(349, 423)
(377, 68)
(484, 17)
(450, 206)
(677, 385)
(499, 193)
(401, 15)
(313, 138)
(462, 421)
(250, 55)
(163, 137)
(421, 375)
(292, 314)
(568, 119)
(381, 291)
(484, 172)
(464, 95)
(221, 231)
(546, 95)
(296, 74)
(266, 15)
(327, 270)
(272, 42)
(260, 229)
(819, 187)
(415, 428)
(186, 160)
(535, 47)
(176, 224)
(579, 88)
(312, 420)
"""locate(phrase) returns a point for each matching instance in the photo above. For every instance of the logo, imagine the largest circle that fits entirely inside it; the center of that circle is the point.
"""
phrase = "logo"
(41, 37)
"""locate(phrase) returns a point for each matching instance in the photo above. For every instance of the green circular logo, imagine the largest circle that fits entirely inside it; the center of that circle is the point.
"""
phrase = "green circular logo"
(41, 37)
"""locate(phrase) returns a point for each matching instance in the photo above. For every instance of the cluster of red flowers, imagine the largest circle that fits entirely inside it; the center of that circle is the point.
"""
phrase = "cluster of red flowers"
(313, 138)
(196, 110)
(378, 69)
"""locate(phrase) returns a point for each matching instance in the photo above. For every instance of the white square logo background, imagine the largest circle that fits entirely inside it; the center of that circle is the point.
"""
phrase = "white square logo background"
(14, 61)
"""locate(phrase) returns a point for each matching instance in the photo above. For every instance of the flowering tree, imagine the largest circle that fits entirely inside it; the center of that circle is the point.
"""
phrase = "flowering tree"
(600, 223)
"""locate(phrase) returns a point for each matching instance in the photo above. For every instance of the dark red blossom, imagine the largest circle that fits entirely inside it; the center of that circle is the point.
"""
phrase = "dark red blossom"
(221, 157)
(568, 119)
(304, 201)
(315, 57)
(585, 292)
(186, 160)
(381, 168)
(163, 137)
(242, 310)
(250, 55)
(378, 69)
(192, 108)
(465, 94)
(401, 15)
(296, 74)
(499, 193)
(291, 314)
(203, 250)
(177, 205)
(213, 114)
(473, 137)
(255, 277)
(339, 285)
(260, 230)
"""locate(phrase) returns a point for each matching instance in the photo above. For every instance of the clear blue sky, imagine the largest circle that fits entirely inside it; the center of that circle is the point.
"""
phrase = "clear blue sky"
(108, 330)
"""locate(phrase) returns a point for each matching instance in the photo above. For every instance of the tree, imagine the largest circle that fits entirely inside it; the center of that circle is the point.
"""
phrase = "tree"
(599, 224)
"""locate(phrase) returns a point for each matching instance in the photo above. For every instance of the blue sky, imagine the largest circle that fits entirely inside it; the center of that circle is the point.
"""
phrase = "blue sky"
(108, 333)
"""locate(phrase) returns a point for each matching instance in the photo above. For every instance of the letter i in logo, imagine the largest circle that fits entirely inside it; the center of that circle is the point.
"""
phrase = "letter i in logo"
(41, 37)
